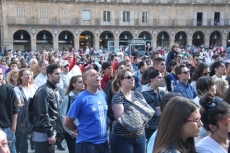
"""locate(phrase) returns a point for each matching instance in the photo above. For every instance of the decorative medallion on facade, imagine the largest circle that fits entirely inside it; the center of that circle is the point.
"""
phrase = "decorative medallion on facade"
(116, 31)
(55, 31)
(190, 31)
(97, 31)
(154, 31)
(173, 32)
(136, 31)
(208, 31)
(76, 31)
(33, 30)
(225, 31)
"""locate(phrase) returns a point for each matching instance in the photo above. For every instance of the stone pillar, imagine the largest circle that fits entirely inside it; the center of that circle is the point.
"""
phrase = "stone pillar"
(206, 41)
(224, 41)
(96, 43)
(189, 41)
(154, 43)
(116, 42)
(76, 42)
(55, 43)
(171, 42)
(33, 43)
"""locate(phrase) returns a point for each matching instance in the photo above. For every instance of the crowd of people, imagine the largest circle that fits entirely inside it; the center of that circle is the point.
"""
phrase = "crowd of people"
(159, 102)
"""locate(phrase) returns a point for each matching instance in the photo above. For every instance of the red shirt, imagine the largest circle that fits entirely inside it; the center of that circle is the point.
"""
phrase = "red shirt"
(104, 81)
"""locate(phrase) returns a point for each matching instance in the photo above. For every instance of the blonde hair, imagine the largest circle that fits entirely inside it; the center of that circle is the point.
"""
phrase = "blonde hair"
(10, 75)
(35, 69)
(220, 84)
(20, 73)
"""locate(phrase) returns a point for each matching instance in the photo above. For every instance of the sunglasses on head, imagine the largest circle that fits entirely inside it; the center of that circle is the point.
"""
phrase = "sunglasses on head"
(129, 77)
(186, 72)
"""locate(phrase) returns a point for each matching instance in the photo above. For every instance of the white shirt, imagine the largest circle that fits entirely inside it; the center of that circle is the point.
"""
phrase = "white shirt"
(40, 79)
(216, 77)
(29, 92)
(209, 145)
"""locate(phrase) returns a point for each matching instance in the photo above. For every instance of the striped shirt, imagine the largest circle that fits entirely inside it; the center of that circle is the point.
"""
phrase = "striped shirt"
(119, 98)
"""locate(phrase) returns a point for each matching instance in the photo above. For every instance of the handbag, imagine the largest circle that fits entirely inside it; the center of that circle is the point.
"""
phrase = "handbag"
(136, 116)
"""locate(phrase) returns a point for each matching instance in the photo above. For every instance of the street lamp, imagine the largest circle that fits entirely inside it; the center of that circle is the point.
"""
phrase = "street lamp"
(215, 36)
(66, 36)
(106, 36)
(162, 37)
(126, 37)
(144, 37)
(180, 37)
(44, 35)
(21, 36)
(86, 36)
(198, 36)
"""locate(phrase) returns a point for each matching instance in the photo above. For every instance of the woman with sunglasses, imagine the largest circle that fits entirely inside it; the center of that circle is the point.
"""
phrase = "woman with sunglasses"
(201, 70)
(176, 132)
(215, 117)
(123, 140)
(76, 86)
(25, 89)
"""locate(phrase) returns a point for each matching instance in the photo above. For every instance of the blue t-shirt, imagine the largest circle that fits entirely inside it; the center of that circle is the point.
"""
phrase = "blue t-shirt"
(91, 112)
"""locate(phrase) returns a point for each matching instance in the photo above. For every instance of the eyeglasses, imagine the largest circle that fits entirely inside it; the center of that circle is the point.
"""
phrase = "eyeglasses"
(198, 59)
(129, 77)
(222, 66)
(206, 74)
(198, 121)
(66, 66)
(29, 74)
(186, 72)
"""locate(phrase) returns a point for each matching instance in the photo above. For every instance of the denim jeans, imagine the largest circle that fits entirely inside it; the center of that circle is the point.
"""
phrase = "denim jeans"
(11, 139)
(121, 144)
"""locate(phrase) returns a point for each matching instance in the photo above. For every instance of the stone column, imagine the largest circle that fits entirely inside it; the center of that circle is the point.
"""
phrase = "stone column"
(55, 43)
(224, 41)
(33, 43)
(154, 43)
(189, 41)
(206, 41)
(116, 42)
(171, 42)
(96, 43)
(76, 42)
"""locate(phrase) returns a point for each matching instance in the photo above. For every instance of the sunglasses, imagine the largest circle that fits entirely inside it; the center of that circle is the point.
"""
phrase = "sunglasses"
(206, 74)
(186, 72)
(222, 66)
(129, 77)
(198, 59)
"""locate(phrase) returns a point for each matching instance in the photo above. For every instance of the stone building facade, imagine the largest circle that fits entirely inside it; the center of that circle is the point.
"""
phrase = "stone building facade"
(62, 24)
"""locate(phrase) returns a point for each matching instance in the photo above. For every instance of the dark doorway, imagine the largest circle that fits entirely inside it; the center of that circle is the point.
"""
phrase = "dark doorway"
(199, 18)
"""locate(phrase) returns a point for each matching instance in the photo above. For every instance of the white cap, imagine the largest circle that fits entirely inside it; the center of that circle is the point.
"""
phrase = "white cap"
(64, 63)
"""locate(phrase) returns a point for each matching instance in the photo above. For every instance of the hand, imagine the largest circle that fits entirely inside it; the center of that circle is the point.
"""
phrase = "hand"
(52, 140)
(74, 135)
(13, 129)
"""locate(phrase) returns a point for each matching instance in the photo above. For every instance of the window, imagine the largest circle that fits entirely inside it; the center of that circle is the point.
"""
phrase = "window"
(216, 18)
(126, 16)
(21, 13)
(199, 18)
(145, 17)
(86, 15)
(106, 16)
(181, 15)
(44, 14)
(65, 14)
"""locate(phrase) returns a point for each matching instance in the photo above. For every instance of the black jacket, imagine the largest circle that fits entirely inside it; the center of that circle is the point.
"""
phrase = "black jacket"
(45, 109)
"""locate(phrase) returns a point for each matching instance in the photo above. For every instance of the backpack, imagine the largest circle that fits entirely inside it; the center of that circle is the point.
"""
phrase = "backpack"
(25, 115)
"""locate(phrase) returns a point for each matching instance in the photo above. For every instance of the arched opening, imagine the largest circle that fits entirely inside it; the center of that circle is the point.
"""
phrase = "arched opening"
(198, 39)
(21, 40)
(125, 38)
(215, 39)
(107, 41)
(163, 39)
(44, 40)
(181, 38)
(86, 39)
(146, 36)
(65, 40)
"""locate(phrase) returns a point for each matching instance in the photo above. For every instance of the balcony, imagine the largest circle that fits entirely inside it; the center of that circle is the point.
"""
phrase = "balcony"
(32, 21)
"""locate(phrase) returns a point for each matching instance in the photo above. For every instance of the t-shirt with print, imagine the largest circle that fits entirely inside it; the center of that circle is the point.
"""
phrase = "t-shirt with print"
(29, 92)
(91, 111)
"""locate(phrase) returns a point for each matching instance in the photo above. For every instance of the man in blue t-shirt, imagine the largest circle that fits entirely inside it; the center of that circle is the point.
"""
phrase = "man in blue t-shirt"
(90, 108)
